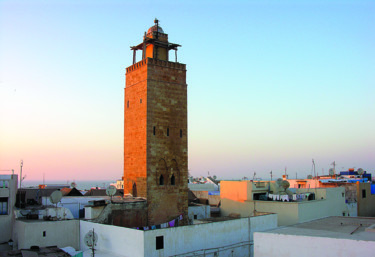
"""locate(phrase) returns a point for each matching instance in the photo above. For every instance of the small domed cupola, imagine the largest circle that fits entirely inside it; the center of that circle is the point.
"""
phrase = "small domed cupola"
(155, 44)
(155, 28)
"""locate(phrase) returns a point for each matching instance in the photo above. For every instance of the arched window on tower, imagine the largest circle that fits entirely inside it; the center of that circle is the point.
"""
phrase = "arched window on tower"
(134, 190)
(174, 170)
(168, 132)
(161, 180)
(173, 180)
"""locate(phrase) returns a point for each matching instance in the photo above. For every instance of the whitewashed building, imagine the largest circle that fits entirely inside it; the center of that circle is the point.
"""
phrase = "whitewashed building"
(225, 237)
(332, 236)
(8, 190)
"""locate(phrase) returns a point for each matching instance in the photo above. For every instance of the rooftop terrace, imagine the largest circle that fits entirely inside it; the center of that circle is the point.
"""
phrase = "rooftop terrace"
(354, 228)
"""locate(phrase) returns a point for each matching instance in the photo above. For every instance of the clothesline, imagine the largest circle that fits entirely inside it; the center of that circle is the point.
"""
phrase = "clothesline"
(286, 198)
(172, 223)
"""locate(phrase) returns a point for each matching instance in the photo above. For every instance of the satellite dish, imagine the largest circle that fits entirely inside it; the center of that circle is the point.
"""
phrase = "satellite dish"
(279, 181)
(91, 238)
(309, 177)
(285, 184)
(73, 185)
(360, 171)
(55, 197)
(332, 171)
(111, 190)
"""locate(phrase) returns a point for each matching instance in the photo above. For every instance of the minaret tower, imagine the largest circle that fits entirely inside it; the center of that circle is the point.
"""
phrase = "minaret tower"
(155, 132)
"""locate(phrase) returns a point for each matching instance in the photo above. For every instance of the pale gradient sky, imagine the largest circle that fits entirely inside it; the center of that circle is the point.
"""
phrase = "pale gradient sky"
(270, 84)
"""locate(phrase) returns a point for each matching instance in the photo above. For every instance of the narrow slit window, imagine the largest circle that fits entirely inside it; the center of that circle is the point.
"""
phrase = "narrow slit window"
(168, 132)
(363, 193)
(127, 104)
(180, 132)
(161, 180)
(154, 130)
(173, 180)
(140, 101)
(44, 233)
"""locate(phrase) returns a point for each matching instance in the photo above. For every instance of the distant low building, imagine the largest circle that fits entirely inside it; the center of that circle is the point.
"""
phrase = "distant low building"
(120, 183)
(359, 196)
(248, 197)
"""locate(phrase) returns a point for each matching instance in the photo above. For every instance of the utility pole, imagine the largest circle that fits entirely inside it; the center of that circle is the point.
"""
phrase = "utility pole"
(313, 164)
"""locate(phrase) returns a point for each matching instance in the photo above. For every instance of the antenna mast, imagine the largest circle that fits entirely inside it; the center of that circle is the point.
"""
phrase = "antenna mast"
(21, 164)
(313, 164)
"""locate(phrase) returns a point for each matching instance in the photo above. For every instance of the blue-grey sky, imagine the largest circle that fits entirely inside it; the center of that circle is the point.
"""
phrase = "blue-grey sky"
(271, 84)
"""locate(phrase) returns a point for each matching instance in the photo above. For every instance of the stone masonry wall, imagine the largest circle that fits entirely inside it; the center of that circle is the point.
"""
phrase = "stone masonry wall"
(167, 149)
(155, 138)
(135, 142)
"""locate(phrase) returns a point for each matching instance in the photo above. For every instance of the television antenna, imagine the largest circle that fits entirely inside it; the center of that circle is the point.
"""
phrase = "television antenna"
(90, 239)
(360, 171)
(12, 170)
(111, 191)
(55, 198)
(334, 164)
(21, 178)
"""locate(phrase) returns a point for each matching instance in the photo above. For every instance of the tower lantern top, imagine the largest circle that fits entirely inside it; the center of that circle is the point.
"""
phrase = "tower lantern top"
(155, 44)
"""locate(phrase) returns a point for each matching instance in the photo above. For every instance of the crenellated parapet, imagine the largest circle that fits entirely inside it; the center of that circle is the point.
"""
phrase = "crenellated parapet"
(157, 62)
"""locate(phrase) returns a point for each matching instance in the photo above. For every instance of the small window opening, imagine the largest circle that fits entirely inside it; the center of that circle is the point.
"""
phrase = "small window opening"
(140, 101)
(363, 193)
(127, 104)
(159, 242)
(3, 205)
(343, 194)
(173, 180)
(195, 217)
(44, 233)
(168, 132)
(343, 214)
(180, 132)
(154, 131)
(161, 180)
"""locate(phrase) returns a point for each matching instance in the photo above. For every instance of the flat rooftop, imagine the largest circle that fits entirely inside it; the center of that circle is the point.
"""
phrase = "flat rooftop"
(355, 228)
(225, 218)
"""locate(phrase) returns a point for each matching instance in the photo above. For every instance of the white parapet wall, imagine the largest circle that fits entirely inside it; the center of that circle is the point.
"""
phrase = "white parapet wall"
(113, 239)
(269, 244)
(226, 238)
(63, 233)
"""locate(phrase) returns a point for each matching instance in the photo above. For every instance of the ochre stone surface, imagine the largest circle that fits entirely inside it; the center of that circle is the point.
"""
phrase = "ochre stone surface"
(155, 138)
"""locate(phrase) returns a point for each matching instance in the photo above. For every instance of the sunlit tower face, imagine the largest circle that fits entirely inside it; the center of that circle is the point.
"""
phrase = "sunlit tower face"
(155, 131)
